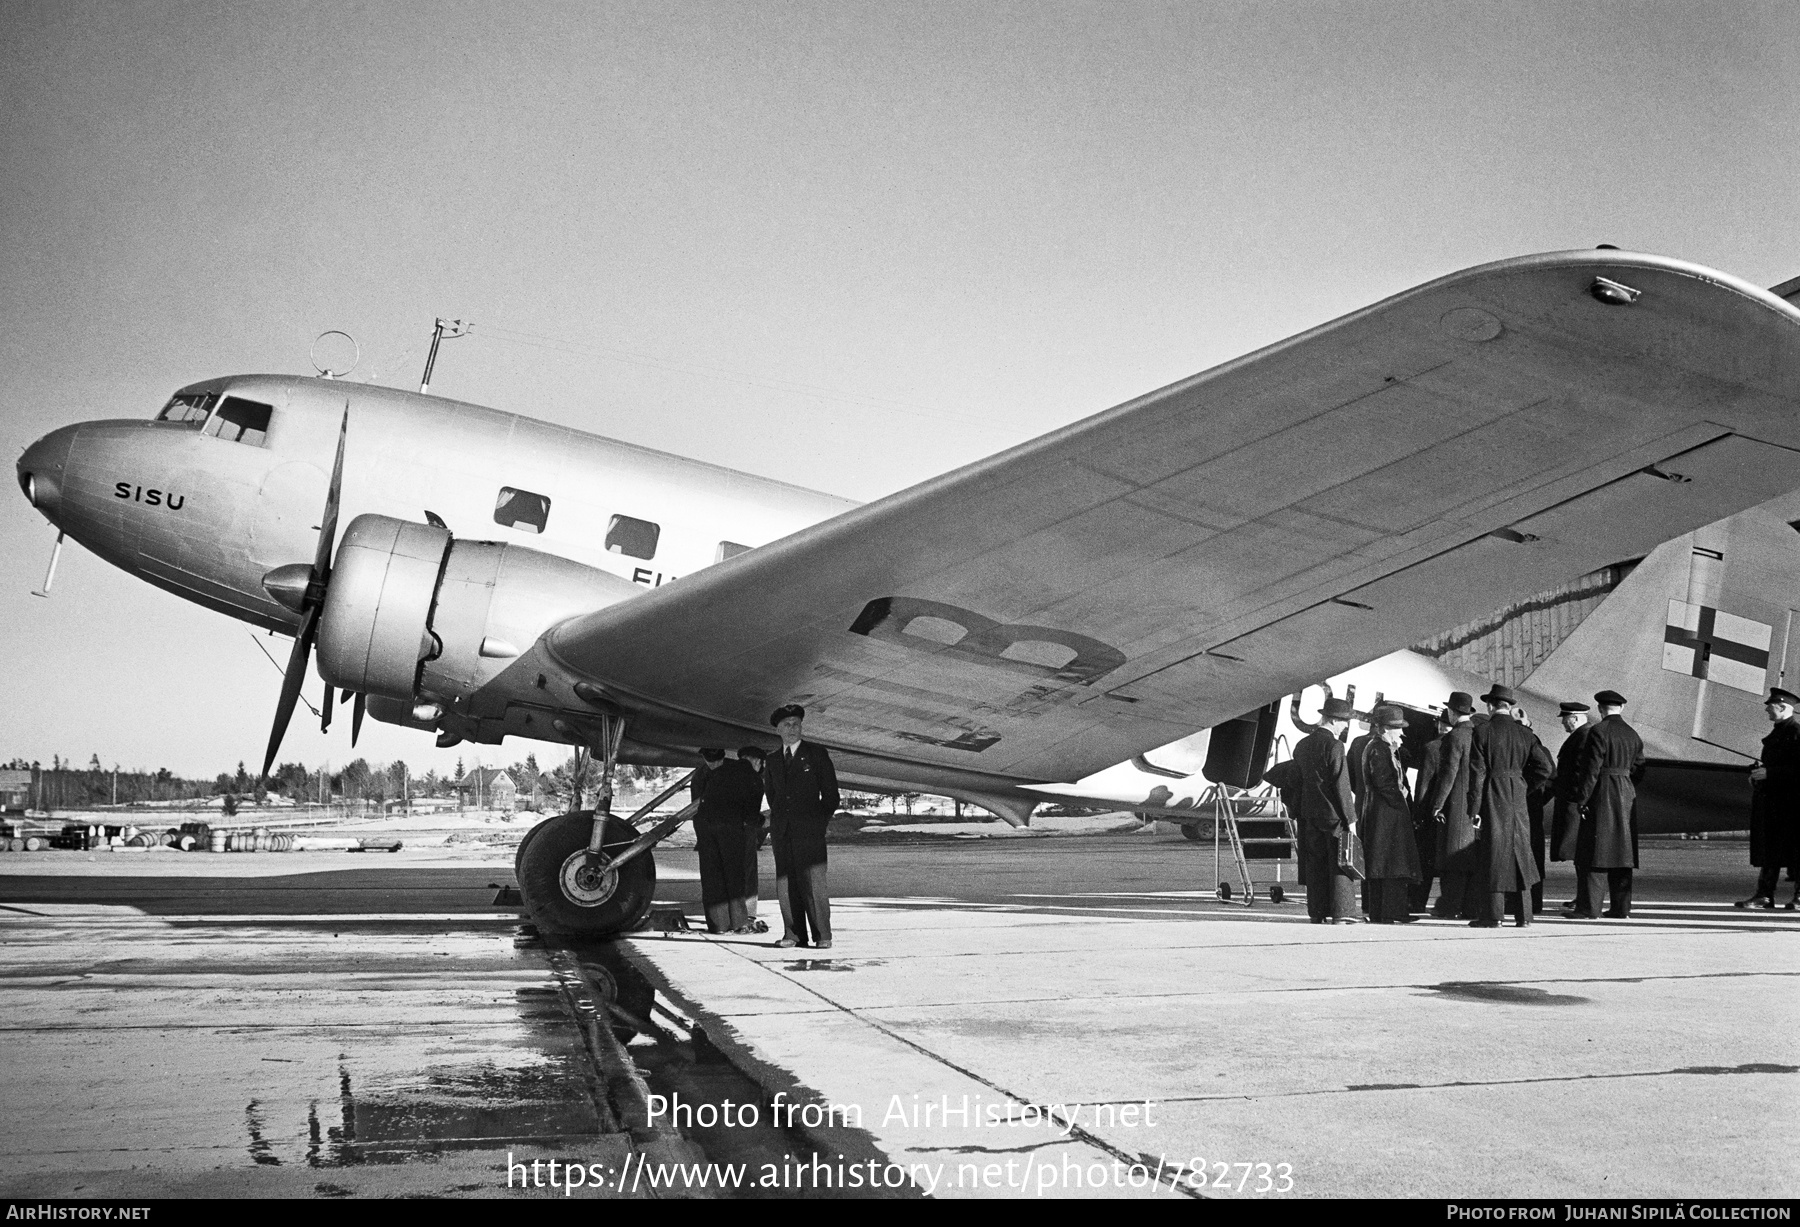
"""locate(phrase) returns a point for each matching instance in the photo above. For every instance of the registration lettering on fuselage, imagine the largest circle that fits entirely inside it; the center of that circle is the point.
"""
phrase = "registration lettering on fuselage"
(154, 498)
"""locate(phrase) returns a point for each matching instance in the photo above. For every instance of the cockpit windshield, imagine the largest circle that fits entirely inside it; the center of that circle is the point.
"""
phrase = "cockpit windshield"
(189, 408)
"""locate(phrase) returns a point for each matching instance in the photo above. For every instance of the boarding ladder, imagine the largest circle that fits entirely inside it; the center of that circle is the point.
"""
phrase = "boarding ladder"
(1257, 827)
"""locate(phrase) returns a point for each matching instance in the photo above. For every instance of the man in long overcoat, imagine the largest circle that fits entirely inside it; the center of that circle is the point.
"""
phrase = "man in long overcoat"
(1502, 773)
(730, 795)
(1425, 827)
(1775, 801)
(1565, 818)
(1390, 858)
(1458, 868)
(803, 795)
(1537, 800)
(1612, 762)
(1327, 809)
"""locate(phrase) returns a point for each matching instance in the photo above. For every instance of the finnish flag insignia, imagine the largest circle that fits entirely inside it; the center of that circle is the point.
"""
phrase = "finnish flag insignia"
(1705, 642)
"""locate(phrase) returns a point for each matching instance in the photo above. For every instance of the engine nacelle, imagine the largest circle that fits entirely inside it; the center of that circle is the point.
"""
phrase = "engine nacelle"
(411, 613)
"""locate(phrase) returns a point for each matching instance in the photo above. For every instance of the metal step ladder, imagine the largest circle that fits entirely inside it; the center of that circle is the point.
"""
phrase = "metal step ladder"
(1257, 827)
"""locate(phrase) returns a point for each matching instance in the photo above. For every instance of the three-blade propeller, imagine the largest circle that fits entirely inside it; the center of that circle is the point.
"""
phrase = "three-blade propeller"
(311, 604)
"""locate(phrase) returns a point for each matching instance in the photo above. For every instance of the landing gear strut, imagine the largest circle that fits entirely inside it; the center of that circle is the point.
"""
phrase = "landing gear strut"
(589, 873)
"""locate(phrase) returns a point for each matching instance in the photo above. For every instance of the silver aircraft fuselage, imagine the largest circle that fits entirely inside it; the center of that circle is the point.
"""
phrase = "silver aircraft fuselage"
(206, 517)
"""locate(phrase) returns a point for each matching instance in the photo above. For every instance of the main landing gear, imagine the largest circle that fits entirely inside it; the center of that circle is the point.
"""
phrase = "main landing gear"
(589, 873)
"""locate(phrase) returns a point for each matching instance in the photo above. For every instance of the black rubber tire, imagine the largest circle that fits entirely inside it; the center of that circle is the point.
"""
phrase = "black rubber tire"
(1225, 890)
(1191, 830)
(1276, 894)
(540, 861)
(519, 852)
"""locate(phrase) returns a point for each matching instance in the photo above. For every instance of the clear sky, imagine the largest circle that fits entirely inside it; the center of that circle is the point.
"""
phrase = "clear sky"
(848, 245)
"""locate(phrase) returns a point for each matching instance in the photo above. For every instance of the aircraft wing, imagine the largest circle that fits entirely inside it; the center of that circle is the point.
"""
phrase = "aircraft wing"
(1199, 551)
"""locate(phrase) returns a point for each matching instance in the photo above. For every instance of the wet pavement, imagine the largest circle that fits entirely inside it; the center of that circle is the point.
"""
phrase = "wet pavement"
(332, 1026)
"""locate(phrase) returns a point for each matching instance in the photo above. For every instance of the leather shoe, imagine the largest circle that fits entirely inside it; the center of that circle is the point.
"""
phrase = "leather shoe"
(824, 945)
(1484, 924)
(788, 943)
(1765, 902)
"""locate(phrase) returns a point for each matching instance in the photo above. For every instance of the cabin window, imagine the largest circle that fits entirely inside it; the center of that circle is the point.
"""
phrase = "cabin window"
(189, 408)
(729, 549)
(522, 509)
(240, 421)
(633, 538)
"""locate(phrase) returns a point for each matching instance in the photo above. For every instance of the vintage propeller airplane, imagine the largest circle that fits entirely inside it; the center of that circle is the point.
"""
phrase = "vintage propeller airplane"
(1022, 622)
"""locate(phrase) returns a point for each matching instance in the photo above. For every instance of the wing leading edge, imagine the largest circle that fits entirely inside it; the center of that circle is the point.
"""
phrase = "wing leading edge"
(1191, 554)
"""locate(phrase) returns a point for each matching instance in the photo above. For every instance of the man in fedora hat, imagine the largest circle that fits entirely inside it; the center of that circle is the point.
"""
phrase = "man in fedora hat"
(1390, 858)
(1565, 819)
(1449, 806)
(1327, 811)
(802, 788)
(1612, 762)
(1502, 773)
(1425, 825)
(1775, 801)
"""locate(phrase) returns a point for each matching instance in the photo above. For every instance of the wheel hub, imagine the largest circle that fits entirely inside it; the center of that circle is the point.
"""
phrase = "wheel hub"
(587, 879)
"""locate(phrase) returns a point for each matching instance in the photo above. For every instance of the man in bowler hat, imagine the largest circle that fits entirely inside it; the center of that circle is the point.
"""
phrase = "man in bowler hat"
(803, 794)
(1612, 762)
(1327, 810)
(1503, 771)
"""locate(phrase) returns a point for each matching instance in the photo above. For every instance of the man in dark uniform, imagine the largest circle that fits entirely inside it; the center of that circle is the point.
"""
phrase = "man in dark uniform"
(1425, 827)
(803, 795)
(1565, 818)
(1449, 806)
(730, 797)
(1502, 773)
(1612, 762)
(1542, 767)
(1327, 809)
(1775, 802)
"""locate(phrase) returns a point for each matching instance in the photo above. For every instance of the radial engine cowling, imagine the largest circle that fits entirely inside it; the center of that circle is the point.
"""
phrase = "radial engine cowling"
(375, 631)
(411, 613)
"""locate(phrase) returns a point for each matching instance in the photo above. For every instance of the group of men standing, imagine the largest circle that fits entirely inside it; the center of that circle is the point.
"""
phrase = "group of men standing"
(1474, 818)
(801, 785)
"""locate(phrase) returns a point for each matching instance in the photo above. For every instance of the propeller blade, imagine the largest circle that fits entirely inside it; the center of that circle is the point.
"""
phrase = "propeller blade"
(356, 715)
(290, 686)
(325, 712)
(328, 523)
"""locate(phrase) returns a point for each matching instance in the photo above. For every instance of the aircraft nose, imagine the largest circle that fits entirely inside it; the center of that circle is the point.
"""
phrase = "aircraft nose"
(41, 468)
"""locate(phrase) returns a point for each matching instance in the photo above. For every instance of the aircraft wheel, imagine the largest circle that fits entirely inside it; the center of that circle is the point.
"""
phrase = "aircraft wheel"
(1191, 830)
(519, 852)
(567, 891)
(1276, 894)
(1225, 890)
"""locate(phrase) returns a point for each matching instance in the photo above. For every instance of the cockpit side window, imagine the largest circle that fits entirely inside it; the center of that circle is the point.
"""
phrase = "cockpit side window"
(189, 408)
(241, 421)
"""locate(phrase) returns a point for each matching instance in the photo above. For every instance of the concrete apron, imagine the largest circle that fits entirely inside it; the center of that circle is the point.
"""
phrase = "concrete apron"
(1655, 1057)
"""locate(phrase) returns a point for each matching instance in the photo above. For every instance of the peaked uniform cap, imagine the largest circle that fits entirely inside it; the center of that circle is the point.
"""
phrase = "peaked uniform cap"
(1610, 698)
(1573, 709)
(784, 711)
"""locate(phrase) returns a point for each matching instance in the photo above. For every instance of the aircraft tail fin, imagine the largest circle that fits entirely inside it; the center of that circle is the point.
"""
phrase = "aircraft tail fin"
(1694, 636)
